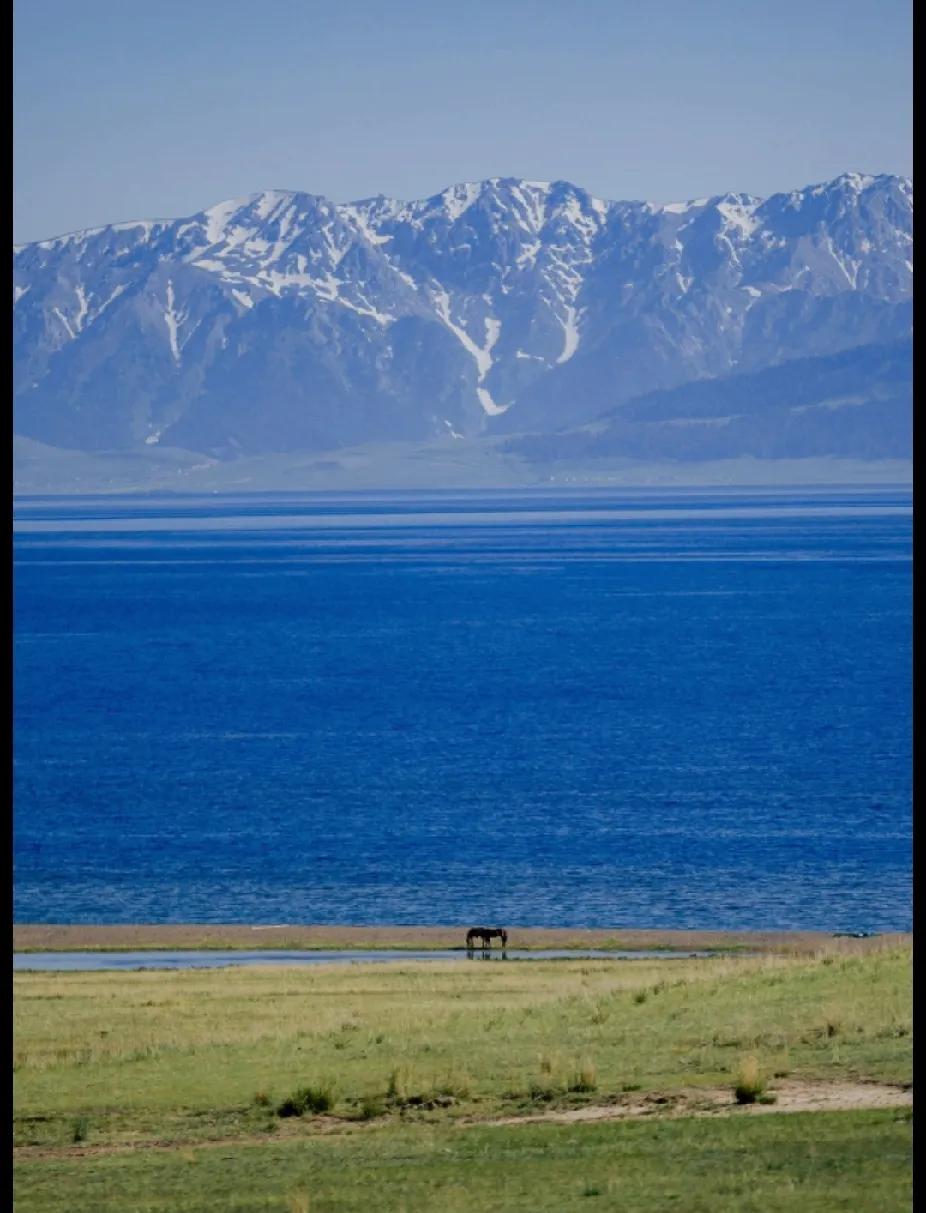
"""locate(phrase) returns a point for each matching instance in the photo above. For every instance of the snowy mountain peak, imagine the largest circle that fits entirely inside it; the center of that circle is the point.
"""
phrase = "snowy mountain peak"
(284, 319)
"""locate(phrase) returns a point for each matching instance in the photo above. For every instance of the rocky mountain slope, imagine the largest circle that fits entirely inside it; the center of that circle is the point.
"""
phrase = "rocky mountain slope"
(833, 406)
(286, 322)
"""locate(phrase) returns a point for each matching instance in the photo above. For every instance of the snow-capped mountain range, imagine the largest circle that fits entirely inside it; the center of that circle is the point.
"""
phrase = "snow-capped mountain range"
(284, 321)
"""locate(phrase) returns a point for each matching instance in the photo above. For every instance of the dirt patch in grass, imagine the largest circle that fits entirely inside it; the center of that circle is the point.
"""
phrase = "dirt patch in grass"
(791, 1096)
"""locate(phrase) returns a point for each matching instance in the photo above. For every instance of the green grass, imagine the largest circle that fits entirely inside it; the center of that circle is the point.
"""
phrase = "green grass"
(812, 1162)
(183, 1054)
(412, 1054)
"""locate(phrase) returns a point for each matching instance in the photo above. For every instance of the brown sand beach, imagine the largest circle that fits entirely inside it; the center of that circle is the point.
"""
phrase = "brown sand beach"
(61, 937)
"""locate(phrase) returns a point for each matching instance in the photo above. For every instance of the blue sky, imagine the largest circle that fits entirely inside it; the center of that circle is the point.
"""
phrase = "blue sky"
(126, 109)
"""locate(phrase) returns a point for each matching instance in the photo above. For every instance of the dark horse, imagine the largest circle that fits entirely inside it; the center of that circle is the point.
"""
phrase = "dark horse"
(486, 934)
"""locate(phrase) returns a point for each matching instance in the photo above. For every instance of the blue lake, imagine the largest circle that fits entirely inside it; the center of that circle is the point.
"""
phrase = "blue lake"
(648, 708)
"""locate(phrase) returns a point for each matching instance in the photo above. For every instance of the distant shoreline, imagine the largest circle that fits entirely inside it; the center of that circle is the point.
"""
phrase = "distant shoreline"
(59, 937)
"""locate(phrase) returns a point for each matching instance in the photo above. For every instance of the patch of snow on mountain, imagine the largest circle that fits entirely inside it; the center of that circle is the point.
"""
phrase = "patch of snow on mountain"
(740, 217)
(145, 226)
(528, 255)
(491, 408)
(354, 215)
(856, 181)
(173, 320)
(570, 335)
(681, 208)
(117, 291)
(365, 308)
(532, 199)
(481, 354)
(82, 308)
(459, 198)
(64, 320)
(269, 201)
(336, 248)
(217, 218)
(600, 207)
(850, 270)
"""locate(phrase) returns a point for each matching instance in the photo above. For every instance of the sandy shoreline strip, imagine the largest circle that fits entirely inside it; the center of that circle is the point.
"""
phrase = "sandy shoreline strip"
(62, 937)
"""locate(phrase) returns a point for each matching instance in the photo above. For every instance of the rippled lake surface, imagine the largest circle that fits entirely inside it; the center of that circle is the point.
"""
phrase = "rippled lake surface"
(601, 709)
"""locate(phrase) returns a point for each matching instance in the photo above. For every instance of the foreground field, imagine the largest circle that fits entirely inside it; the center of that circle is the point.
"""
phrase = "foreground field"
(162, 1090)
(813, 1162)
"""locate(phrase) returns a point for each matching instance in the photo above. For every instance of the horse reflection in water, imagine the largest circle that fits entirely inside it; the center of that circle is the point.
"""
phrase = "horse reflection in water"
(486, 935)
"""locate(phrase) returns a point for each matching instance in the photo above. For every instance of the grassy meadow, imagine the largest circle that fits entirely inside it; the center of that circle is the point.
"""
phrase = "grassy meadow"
(164, 1090)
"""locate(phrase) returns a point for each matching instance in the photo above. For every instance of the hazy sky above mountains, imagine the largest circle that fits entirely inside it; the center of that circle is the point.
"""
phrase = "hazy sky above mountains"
(126, 109)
